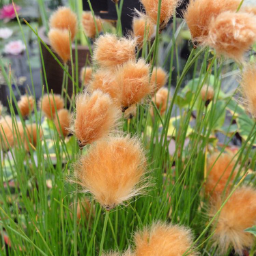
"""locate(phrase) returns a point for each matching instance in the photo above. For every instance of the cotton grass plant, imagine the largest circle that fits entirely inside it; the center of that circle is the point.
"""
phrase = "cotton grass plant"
(96, 174)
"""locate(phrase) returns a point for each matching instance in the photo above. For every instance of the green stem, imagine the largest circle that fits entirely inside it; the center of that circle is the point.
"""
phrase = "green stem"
(104, 232)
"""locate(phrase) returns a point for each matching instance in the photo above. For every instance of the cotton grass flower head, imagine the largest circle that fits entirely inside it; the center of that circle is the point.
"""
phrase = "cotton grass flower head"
(207, 93)
(84, 210)
(161, 100)
(111, 51)
(60, 42)
(130, 112)
(163, 239)
(106, 81)
(143, 29)
(238, 214)
(62, 122)
(26, 105)
(199, 14)
(64, 19)
(221, 173)
(96, 116)
(89, 24)
(249, 9)
(232, 34)
(86, 75)
(31, 138)
(158, 78)
(167, 10)
(50, 104)
(113, 170)
(134, 80)
(248, 85)
(9, 132)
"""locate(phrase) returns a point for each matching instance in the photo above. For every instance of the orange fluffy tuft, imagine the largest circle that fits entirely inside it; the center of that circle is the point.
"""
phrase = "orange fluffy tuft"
(62, 122)
(130, 112)
(111, 51)
(143, 29)
(85, 210)
(106, 81)
(249, 9)
(167, 10)
(59, 40)
(112, 170)
(199, 14)
(160, 100)
(238, 214)
(26, 105)
(50, 104)
(64, 19)
(134, 80)
(89, 24)
(165, 240)
(232, 34)
(221, 174)
(96, 116)
(207, 93)
(9, 133)
(248, 85)
(31, 131)
(158, 78)
(86, 75)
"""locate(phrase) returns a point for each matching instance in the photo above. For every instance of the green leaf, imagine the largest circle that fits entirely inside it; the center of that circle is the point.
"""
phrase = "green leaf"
(251, 230)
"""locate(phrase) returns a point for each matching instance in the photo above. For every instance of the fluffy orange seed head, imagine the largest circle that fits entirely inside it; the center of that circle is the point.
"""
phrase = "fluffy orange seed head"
(106, 81)
(232, 34)
(166, 11)
(130, 112)
(143, 29)
(111, 51)
(248, 85)
(62, 122)
(50, 104)
(31, 131)
(26, 105)
(59, 40)
(164, 240)
(250, 9)
(161, 100)
(158, 78)
(112, 170)
(64, 19)
(89, 24)
(220, 172)
(207, 93)
(86, 75)
(84, 210)
(199, 14)
(134, 80)
(96, 117)
(9, 133)
(238, 214)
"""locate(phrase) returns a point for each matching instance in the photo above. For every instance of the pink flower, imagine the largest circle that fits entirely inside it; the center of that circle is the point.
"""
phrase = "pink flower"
(7, 12)
(14, 47)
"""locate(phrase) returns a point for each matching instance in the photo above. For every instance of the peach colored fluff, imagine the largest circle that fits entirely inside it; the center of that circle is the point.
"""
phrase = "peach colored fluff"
(89, 24)
(85, 75)
(62, 122)
(26, 105)
(112, 170)
(238, 214)
(167, 10)
(50, 104)
(232, 34)
(220, 174)
(96, 117)
(199, 14)
(59, 41)
(158, 78)
(164, 240)
(248, 86)
(111, 51)
(64, 19)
